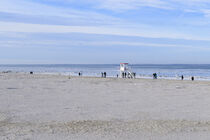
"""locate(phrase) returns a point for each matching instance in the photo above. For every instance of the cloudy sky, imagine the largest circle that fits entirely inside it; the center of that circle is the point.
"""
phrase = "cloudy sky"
(104, 31)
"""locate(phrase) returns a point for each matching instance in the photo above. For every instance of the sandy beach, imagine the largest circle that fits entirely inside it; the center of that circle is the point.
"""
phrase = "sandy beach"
(42, 107)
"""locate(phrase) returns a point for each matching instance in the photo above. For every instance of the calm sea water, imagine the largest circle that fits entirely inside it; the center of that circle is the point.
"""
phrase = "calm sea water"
(173, 71)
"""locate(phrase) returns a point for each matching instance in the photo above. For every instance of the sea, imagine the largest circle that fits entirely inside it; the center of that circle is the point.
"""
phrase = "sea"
(164, 71)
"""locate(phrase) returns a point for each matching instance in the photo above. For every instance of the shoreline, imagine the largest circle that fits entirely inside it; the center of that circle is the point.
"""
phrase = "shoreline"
(112, 77)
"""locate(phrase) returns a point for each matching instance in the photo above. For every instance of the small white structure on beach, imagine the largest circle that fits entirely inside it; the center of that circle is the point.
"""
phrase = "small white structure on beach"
(125, 72)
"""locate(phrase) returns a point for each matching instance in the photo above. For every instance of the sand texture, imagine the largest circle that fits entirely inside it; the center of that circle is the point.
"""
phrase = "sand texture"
(54, 107)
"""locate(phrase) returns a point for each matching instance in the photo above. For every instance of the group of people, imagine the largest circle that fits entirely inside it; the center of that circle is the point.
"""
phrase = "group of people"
(182, 77)
(103, 74)
(192, 78)
(124, 75)
(128, 75)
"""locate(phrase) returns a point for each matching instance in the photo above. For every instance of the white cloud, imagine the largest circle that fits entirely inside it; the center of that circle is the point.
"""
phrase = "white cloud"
(27, 8)
(124, 5)
(103, 30)
(119, 5)
(100, 23)
(70, 43)
(206, 12)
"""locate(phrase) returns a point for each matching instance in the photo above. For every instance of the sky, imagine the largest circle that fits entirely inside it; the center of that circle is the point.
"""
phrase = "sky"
(104, 31)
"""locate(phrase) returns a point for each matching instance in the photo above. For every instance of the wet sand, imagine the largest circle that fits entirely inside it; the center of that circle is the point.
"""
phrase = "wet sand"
(56, 107)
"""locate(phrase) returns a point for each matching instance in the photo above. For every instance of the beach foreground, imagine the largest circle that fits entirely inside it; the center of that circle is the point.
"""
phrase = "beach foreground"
(56, 107)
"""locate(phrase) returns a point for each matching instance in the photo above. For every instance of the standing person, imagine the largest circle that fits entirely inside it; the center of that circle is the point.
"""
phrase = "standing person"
(117, 75)
(134, 75)
(104, 74)
(192, 78)
(182, 77)
(125, 74)
(154, 75)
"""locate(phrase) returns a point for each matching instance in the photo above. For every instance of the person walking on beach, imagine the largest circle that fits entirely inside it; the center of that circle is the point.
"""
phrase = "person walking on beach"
(182, 77)
(125, 74)
(192, 78)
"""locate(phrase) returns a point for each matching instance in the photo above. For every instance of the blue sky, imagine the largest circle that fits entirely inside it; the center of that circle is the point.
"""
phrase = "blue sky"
(99, 31)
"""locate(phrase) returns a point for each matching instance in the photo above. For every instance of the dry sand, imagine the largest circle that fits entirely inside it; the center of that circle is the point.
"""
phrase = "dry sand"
(53, 107)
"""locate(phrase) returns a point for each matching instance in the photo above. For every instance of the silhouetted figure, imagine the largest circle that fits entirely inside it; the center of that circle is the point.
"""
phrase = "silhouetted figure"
(129, 76)
(134, 75)
(154, 75)
(104, 74)
(192, 78)
(79, 74)
(117, 75)
(31, 72)
(125, 74)
(182, 77)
